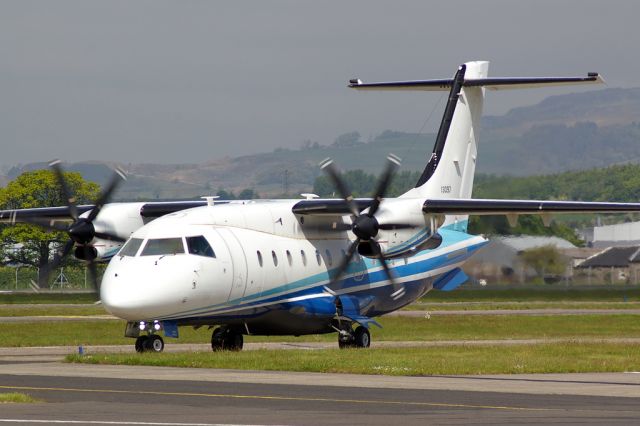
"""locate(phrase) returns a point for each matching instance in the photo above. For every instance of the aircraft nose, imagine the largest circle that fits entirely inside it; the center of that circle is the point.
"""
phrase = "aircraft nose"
(125, 294)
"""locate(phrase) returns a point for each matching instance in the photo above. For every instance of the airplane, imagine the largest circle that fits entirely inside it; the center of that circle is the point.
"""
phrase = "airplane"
(299, 266)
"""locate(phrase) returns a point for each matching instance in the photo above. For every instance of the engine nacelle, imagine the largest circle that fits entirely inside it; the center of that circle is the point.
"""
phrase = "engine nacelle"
(87, 253)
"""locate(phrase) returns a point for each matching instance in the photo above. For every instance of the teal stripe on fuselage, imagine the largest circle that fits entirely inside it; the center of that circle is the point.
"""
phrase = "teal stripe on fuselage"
(318, 280)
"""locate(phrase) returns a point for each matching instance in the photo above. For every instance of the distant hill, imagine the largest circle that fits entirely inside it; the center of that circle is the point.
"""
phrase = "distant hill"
(567, 132)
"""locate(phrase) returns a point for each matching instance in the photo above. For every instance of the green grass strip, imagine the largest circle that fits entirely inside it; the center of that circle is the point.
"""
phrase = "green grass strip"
(38, 298)
(542, 294)
(436, 328)
(539, 358)
(17, 398)
(47, 310)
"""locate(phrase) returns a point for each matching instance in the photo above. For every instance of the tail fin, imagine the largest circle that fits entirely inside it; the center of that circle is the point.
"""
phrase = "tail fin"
(451, 166)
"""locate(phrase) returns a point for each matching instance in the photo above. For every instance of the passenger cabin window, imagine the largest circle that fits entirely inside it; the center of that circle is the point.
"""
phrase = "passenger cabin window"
(275, 258)
(329, 258)
(163, 247)
(303, 255)
(199, 246)
(131, 247)
(289, 258)
(259, 257)
(318, 257)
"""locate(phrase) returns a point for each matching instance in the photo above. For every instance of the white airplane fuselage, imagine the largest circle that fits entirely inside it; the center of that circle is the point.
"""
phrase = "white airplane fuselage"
(271, 270)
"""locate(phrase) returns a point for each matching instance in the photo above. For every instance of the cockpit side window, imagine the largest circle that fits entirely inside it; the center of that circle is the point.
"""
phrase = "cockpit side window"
(131, 247)
(163, 246)
(200, 246)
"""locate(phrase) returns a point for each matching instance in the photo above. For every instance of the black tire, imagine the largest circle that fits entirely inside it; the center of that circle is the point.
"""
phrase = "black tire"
(233, 341)
(361, 338)
(217, 340)
(154, 344)
(141, 343)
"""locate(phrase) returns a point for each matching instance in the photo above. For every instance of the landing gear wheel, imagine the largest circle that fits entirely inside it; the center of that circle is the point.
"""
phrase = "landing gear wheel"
(154, 343)
(233, 341)
(226, 340)
(361, 337)
(141, 343)
(217, 340)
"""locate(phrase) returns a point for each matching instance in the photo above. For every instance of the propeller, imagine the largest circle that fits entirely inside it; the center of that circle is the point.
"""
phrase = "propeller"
(81, 231)
(366, 226)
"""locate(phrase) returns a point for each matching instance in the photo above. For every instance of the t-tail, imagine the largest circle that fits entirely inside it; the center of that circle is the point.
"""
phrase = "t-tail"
(452, 163)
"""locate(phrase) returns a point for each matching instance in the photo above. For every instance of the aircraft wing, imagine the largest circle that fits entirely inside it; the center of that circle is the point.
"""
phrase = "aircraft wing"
(44, 213)
(61, 214)
(328, 207)
(498, 207)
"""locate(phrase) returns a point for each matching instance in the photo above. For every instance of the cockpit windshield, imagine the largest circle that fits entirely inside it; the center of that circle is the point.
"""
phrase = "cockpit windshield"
(131, 247)
(200, 246)
(163, 246)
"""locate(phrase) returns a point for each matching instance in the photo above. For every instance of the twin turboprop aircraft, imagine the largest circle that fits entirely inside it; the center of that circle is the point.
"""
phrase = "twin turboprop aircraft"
(294, 267)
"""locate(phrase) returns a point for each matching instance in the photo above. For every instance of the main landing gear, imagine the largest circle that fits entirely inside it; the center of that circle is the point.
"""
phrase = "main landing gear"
(149, 343)
(225, 339)
(358, 338)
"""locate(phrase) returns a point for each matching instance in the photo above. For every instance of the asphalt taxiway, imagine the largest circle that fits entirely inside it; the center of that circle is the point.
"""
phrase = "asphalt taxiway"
(105, 394)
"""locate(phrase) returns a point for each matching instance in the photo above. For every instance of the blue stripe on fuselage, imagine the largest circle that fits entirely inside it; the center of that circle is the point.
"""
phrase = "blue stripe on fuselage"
(359, 277)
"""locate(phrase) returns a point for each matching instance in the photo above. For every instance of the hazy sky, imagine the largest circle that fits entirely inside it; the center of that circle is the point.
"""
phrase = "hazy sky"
(191, 81)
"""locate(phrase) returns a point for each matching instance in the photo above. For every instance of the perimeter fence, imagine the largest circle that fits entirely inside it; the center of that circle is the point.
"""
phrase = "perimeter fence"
(25, 278)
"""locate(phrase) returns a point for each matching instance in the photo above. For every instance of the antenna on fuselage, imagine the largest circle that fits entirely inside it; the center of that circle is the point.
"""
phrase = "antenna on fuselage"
(210, 199)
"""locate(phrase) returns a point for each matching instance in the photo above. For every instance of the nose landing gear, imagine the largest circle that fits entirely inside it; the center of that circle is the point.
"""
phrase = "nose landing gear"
(149, 343)
(358, 338)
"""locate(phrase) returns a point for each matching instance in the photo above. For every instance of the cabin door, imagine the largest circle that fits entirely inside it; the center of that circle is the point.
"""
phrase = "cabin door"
(238, 263)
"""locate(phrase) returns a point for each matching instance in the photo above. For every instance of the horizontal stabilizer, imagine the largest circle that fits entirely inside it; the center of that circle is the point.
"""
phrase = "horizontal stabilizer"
(497, 207)
(498, 83)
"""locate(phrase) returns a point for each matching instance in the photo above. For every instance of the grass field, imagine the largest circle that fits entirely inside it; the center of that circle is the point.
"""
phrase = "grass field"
(542, 294)
(444, 327)
(46, 298)
(24, 310)
(16, 398)
(542, 358)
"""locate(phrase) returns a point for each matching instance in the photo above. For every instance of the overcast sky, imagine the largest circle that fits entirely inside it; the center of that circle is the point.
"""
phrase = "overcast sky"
(192, 81)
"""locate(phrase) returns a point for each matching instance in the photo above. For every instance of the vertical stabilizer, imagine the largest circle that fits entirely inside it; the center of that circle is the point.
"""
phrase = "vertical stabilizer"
(451, 166)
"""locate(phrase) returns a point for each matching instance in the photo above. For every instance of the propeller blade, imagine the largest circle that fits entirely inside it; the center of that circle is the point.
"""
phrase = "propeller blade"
(383, 184)
(351, 251)
(109, 237)
(118, 176)
(60, 254)
(328, 166)
(93, 272)
(398, 289)
(71, 201)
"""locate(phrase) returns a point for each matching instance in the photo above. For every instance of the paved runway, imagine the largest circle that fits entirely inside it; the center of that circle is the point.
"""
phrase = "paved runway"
(158, 395)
